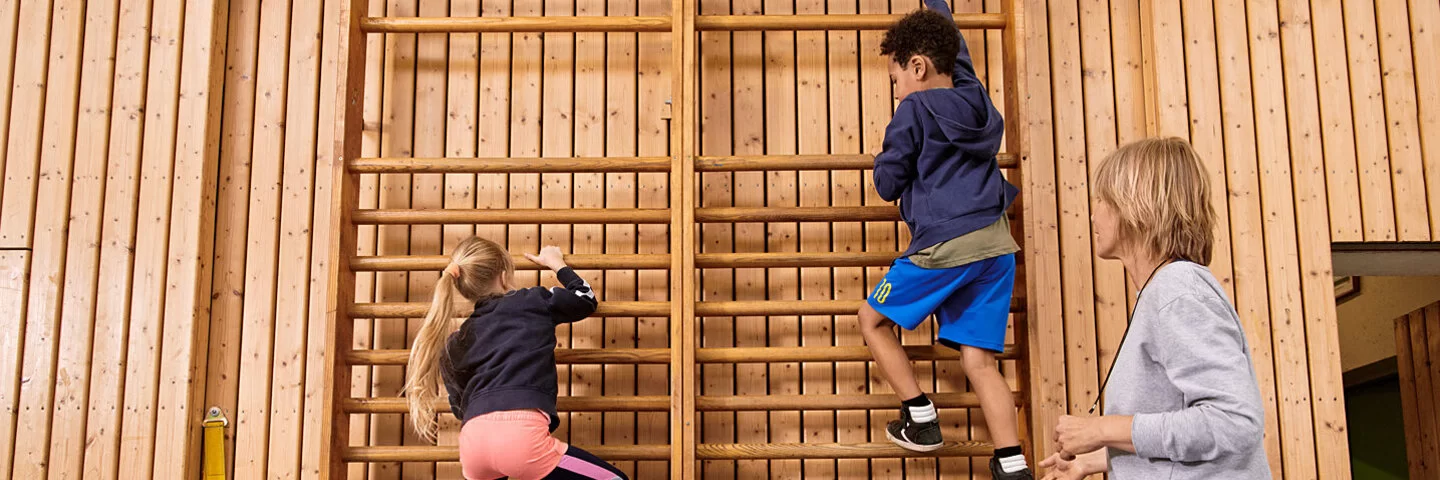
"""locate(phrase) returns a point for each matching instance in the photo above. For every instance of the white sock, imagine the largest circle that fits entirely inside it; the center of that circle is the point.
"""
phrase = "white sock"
(923, 414)
(1013, 464)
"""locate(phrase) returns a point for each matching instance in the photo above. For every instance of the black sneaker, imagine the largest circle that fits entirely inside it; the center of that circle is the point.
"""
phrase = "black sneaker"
(998, 474)
(916, 437)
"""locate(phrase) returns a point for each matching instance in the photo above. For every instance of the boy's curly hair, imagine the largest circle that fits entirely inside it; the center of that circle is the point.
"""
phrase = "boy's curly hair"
(923, 32)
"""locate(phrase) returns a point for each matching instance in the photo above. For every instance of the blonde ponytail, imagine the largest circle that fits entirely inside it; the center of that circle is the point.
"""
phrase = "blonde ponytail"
(475, 266)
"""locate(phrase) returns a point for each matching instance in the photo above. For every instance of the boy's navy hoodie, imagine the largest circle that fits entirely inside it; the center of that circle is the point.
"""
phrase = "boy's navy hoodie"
(503, 356)
(939, 157)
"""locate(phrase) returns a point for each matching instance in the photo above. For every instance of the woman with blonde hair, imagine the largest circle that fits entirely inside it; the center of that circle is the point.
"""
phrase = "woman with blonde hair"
(498, 365)
(1183, 402)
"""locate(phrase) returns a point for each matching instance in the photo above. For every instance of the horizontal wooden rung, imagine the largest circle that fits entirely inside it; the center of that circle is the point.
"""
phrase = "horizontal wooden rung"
(514, 24)
(748, 308)
(511, 165)
(757, 451)
(832, 22)
(797, 214)
(628, 356)
(658, 403)
(608, 261)
(418, 309)
(750, 163)
(452, 454)
(503, 216)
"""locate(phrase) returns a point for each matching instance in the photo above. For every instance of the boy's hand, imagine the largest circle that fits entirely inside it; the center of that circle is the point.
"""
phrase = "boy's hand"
(549, 257)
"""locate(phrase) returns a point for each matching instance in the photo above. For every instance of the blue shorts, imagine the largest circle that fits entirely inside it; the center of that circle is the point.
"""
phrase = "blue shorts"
(971, 302)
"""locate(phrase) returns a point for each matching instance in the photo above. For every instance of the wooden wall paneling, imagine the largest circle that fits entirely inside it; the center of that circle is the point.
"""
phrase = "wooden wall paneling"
(1397, 74)
(656, 88)
(296, 204)
(847, 189)
(11, 262)
(1071, 171)
(812, 117)
(9, 15)
(1203, 95)
(749, 138)
(1427, 412)
(493, 191)
(1367, 100)
(782, 190)
(232, 211)
(1311, 223)
(1166, 67)
(117, 240)
(252, 426)
(1099, 84)
(1425, 43)
(1409, 396)
(22, 166)
(51, 197)
(526, 75)
(137, 444)
(1277, 203)
(428, 189)
(590, 116)
(313, 414)
(558, 136)
(192, 243)
(717, 190)
(621, 191)
(1049, 395)
(1432, 342)
(1251, 284)
(396, 191)
(1338, 126)
(77, 324)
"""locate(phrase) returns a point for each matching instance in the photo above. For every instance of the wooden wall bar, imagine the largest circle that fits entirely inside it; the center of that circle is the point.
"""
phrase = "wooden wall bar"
(1417, 344)
(139, 179)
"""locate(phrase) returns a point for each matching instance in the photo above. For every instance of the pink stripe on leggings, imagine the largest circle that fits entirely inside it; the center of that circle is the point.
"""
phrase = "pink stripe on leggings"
(585, 468)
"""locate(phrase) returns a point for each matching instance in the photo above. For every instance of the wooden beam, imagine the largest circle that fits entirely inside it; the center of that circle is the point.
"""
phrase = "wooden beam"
(514, 24)
(418, 309)
(749, 163)
(513, 216)
(708, 403)
(797, 214)
(790, 23)
(510, 165)
(562, 404)
(592, 356)
(616, 261)
(451, 454)
(835, 450)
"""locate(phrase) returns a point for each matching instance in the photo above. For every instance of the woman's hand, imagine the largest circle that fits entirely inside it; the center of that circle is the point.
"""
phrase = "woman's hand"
(1078, 435)
(1075, 468)
(549, 257)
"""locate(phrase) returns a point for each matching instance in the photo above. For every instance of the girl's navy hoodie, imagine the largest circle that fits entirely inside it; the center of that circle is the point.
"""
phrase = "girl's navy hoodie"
(939, 157)
(503, 356)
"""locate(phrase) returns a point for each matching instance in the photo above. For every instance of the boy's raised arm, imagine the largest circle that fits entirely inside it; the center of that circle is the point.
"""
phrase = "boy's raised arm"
(964, 68)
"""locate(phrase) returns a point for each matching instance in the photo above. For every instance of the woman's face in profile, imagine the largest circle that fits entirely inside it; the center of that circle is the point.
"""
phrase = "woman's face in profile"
(1106, 229)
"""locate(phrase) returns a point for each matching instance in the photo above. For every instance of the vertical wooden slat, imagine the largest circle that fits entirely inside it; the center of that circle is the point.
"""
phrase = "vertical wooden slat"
(748, 57)
(117, 240)
(316, 384)
(1048, 397)
(192, 226)
(717, 190)
(1337, 125)
(1426, 411)
(1125, 39)
(1397, 73)
(228, 285)
(296, 205)
(1432, 342)
(73, 367)
(1425, 40)
(847, 189)
(588, 88)
(683, 291)
(9, 15)
(252, 422)
(781, 190)
(396, 139)
(339, 331)
(1203, 93)
(662, 80)
(48, 239)
(1277, 203)
(1310, 219)
(1251, 284)
(1077, 290)
(622, 99)
(1012, 61)
(1409, 397)
(1100, 139)
(1376, 203)
(813, 137)
(17, 212)
(11, 261)
(557, 190)
(137, 444)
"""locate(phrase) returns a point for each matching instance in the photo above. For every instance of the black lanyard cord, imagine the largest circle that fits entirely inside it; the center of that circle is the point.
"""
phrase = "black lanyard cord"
(1129, 320)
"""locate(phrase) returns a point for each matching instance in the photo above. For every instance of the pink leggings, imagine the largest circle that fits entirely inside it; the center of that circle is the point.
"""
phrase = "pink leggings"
(517, 444)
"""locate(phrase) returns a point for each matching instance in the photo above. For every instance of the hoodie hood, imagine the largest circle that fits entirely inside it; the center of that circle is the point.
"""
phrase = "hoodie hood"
(955, 110)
